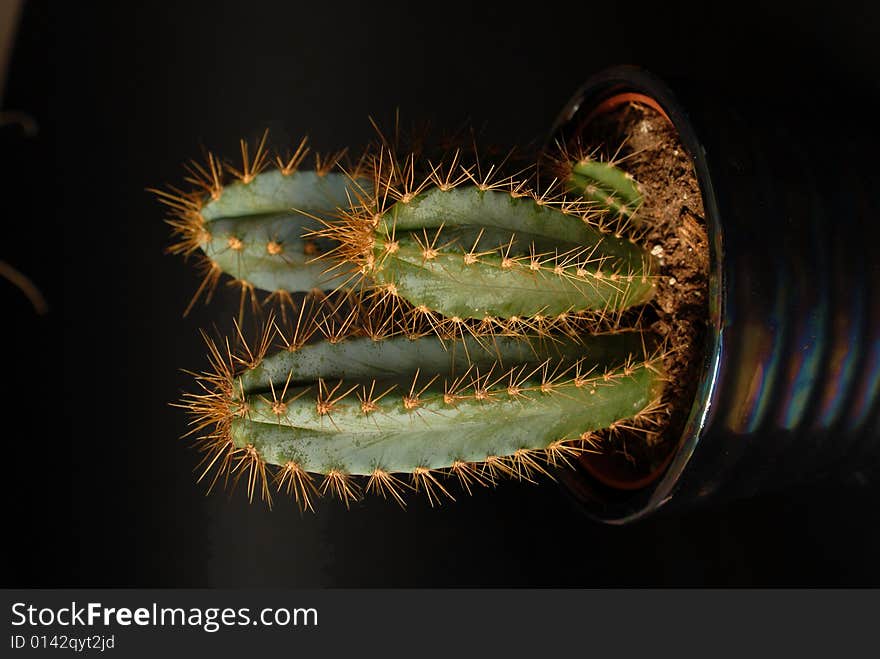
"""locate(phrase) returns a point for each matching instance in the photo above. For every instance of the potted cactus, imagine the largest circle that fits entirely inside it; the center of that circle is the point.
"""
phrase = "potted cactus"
(447, 319)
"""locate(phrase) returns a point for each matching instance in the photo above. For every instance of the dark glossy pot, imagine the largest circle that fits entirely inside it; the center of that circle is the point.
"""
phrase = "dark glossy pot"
(790, 384)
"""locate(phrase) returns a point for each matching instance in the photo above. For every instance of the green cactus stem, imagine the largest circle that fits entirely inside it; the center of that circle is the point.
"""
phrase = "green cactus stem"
(254, 228)
(331, 427)
(469, 252)
(275, 192)
(379, 408)
(256, 232)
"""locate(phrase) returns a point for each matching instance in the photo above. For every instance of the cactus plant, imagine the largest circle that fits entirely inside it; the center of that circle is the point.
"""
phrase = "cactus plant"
(469, 335)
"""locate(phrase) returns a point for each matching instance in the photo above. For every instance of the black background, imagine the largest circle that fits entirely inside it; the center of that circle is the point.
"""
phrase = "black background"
(98, 488)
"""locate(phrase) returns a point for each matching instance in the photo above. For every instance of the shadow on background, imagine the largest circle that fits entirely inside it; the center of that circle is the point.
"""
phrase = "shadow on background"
(100, 490)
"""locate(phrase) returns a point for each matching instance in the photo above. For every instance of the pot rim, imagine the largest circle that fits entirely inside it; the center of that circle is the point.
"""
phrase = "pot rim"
(622, 506)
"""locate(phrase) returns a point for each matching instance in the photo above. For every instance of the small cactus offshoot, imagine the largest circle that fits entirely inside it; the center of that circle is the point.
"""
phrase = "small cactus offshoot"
(469, 326)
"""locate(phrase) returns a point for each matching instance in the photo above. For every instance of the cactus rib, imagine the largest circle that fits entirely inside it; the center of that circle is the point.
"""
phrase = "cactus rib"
(397, 358)
(268, 251)
(275, 192)
(466, 285)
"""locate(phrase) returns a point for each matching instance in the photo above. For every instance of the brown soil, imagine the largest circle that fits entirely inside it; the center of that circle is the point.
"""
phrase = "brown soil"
(643, 142)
